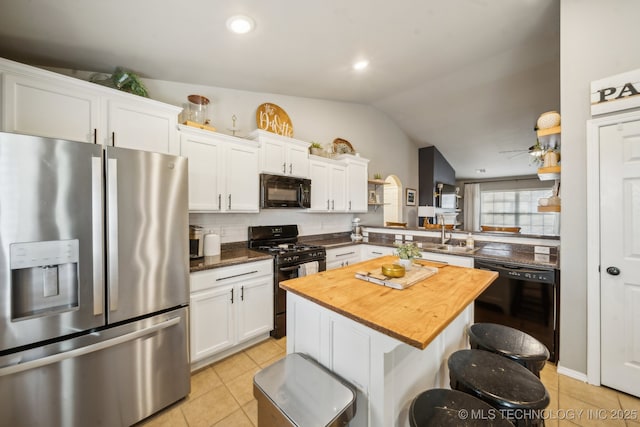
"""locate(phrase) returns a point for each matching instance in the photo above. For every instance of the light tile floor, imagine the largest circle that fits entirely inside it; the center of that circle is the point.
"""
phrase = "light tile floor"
(222, 395)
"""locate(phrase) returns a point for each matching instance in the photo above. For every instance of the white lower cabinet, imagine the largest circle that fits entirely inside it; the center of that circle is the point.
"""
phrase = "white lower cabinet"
(372, 251)
(341, 257)
(460, 261)
(229, 306)
(386, 373)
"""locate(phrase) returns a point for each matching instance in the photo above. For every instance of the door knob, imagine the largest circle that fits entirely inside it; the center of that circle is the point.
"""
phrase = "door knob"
(614, 271)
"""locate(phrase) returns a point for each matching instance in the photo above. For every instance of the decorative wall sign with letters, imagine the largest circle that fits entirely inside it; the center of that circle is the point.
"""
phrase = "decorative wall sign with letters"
(615, 93)
(274, 119)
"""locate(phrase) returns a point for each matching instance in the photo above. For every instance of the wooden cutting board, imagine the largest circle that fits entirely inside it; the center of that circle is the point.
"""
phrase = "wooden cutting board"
(411, 277)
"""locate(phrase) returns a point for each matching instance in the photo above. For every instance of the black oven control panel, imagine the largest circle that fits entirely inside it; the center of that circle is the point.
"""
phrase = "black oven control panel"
(519, 272)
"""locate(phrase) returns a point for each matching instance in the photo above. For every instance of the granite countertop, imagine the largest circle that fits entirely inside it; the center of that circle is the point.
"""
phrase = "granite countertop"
(238, 253)
(488, 251)
(401, 314)
(227, 257)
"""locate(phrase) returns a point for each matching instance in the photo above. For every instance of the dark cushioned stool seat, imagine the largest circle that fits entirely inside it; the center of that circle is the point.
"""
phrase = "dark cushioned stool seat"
(509, 342)
(441, 407)
(502, 383)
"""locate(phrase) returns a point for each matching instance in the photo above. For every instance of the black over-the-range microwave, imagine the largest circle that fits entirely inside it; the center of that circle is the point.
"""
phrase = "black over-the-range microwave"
(277, 191)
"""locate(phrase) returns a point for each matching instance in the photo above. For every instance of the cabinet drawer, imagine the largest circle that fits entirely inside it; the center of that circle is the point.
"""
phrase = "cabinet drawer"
(201, 280)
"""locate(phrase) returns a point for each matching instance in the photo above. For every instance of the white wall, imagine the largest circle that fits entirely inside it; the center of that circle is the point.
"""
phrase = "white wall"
(598, 39)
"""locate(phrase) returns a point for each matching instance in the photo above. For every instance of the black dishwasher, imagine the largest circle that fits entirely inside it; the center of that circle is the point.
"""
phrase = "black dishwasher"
(523, 297)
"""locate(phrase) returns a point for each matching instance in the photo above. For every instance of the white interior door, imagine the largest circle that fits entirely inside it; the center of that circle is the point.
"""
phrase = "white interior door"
(620, 256)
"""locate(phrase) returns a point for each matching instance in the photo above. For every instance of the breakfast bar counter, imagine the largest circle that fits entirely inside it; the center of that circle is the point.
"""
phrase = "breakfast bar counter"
(390, 344)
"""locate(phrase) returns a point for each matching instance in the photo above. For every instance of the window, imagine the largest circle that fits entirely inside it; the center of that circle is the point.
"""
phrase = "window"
(518, 208)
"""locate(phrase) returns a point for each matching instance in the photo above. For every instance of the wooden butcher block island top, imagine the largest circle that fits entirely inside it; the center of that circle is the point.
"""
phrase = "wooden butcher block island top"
(415, 315)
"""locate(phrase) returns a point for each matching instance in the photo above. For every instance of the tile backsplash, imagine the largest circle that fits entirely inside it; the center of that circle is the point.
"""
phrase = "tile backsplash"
(233, 227)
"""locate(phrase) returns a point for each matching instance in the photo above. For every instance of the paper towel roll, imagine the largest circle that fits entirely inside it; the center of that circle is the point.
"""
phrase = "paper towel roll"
(211, 244)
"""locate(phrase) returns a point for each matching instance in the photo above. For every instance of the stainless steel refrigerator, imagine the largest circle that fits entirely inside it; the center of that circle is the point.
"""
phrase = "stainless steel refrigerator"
(93, 283)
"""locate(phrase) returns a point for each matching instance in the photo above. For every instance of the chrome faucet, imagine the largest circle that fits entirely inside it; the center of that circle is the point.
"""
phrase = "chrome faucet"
(443, 235)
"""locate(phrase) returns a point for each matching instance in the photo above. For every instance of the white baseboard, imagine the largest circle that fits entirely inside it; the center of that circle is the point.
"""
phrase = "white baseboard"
(572, 373)
(203, 363)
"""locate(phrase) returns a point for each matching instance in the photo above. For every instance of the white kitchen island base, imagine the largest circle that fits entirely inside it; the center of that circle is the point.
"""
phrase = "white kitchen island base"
(387, 373)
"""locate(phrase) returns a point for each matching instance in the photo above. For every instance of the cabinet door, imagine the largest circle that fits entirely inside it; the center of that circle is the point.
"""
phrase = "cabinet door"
(460, 261)
(242, 179)
(342, 257)
(43, 107)
(255, 307)
(320, 198)
(357, 187)
(205, 187)
(212, 321)
(338, 181)
(274, 159)
(141, 127)
(370, 252)
(298, 161)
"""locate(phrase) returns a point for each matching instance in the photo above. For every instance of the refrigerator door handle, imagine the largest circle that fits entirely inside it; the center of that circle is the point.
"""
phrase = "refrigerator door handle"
(112, 218)
(58, 357)
(96, 235)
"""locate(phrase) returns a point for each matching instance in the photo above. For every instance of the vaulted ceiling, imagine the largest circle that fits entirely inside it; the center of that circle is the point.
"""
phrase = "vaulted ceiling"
(468, 76)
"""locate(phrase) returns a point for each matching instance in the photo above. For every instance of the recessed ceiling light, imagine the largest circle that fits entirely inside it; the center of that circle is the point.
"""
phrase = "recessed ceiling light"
(361, 65)
(240, 24)
(481, 170)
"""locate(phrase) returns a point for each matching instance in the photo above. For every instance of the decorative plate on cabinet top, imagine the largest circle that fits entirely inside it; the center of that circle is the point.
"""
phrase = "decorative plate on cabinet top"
(342, 146)
(274, 119)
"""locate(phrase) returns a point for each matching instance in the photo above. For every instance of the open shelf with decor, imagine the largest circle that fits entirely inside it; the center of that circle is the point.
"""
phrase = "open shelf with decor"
(375, 199)
(549, 173)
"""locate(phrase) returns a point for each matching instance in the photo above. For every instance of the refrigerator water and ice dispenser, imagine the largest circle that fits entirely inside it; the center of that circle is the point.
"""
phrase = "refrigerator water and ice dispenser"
(44, 278)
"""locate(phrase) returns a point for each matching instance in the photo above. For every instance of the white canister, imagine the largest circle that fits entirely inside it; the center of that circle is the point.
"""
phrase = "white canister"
(211, 244)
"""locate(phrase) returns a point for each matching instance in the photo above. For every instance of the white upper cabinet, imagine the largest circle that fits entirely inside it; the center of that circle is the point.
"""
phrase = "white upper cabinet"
(44, 107)
(328, 189)
(282, 155)
(43, 103)
(135, 123)
(356, 182)
(223, 171)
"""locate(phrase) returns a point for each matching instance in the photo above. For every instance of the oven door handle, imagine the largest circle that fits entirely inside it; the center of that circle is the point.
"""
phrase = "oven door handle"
(295, 267)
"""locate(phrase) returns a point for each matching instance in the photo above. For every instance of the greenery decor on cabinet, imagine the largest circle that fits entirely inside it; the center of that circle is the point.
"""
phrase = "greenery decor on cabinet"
(123, 80)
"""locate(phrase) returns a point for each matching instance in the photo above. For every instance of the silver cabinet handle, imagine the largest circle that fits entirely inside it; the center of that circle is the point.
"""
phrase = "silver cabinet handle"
(219, 201)
(333, 205)
(376, 253)
(327, 204)
(229, 201)
(237, 275)
(58, 357)
(284, 167)
(113, 139)
(349, 204)
(290, 168)
(345, 254)
(96, 235)
(112, 218)
(242, 293)
(231, 295)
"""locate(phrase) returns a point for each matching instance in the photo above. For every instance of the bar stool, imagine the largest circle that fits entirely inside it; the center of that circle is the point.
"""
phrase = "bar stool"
(441, 407)
(509, 342)
(502, 383)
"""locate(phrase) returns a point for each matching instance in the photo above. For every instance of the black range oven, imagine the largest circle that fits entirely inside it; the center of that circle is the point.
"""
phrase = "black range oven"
(523, 297)
(291, 260)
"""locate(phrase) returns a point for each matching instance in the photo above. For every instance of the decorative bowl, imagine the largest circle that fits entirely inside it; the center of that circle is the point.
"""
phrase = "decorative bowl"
(393, 270)
(548, 120)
